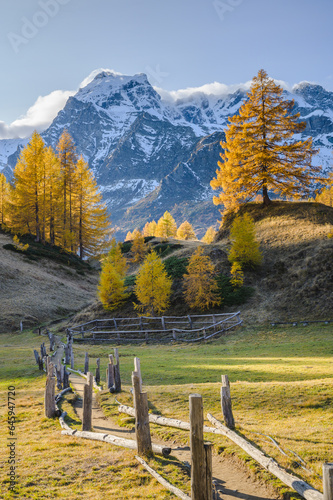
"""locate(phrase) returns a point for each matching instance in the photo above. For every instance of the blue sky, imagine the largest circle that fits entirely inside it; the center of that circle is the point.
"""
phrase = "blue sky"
(50, 45)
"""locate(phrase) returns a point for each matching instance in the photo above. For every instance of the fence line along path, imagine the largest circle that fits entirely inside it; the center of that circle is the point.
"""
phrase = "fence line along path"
(191, 328)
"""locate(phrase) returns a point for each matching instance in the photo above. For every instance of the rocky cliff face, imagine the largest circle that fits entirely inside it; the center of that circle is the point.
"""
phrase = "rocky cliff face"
(150, 155)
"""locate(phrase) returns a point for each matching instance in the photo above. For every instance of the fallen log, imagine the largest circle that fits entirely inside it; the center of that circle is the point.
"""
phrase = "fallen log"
(303, 488)
(108, 438)
(163, 481)
(62, 421)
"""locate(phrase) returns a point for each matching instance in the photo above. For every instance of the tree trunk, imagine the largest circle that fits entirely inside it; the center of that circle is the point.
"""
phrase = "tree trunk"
(265, 198)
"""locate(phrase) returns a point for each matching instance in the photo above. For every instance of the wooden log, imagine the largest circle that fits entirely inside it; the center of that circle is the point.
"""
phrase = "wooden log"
(60, 394)
(87, 403)
(303, 488)
(39, 360)
(137, 369)
(142, 429)
(226, 403)
(115, 324)
(198, 461)
(174, 336)
(98, 374)
(328, 481)
(164, 482)
(163, 322)
(109, 438)
(72, 359)
(58, 375)
(67, 354)
(49, 398)
(190, 321)
(209, 470)
(66, 379)
(116, 368)
(86, 363)
(62, 421)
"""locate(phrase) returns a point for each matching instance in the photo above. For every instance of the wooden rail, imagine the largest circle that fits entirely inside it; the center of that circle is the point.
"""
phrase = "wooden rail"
(145, 329)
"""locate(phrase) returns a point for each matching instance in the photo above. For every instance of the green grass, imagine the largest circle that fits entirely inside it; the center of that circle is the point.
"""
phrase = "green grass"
(281, 385)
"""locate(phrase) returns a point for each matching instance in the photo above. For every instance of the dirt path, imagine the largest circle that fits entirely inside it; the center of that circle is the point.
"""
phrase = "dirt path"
(233, 481)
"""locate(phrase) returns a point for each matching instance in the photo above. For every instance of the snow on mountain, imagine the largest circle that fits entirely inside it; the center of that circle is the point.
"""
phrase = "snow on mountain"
(152, 153)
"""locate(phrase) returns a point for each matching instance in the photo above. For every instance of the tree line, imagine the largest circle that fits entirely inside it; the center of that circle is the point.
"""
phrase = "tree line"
(54, 197)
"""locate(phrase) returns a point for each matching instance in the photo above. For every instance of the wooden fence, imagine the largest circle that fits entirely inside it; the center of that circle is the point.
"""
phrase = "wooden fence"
(191, 328)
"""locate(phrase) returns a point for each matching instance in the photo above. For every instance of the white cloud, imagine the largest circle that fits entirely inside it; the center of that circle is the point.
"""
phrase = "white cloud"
(38, 117)
(94, 73)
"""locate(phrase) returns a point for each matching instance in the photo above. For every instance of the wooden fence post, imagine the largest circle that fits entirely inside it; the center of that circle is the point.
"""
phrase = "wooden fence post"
(49, 399)
(137, 369)
(190, 321)
(117, 379)
(66, 379)
(39, 360)
(87, 403)
(163, 322)
(110, 379)
(209, 469)
(72, 359)
(198, 459)
(142, 429)
(328, 481)
(226, 403)
(98, 373)
(86, 363)
(67, 353)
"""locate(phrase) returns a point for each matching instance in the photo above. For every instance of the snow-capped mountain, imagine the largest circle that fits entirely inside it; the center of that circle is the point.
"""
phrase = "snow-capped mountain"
(151, 154)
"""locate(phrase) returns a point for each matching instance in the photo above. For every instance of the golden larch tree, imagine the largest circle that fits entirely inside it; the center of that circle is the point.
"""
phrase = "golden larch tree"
(152, 286)
(111, 288)
(200, 286)
(186, 232)
(244, 247)
(259, 151)
(67, 158)
(4, 200)
(90, 220)
(138, 248)
(209, 236)
(166, 226)
(149, 228)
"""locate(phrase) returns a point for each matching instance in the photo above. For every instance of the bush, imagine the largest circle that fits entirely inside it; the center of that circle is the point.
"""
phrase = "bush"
(164, 249)
(232, 296)
(176, 267)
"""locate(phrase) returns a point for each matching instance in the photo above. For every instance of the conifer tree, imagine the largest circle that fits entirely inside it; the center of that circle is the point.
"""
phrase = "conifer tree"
(138, 246)
(186, 232)
(4, 200)
(166, 226)
(90, 222)
(128, 236)
(200, 286)
(111, 288)
(53, 196)
(149, 228)
(27, 198)
(237, 275)
(67, 159)
(259, 153)
(152, 286)
(244, 247)
(326, 195)
(209, 235)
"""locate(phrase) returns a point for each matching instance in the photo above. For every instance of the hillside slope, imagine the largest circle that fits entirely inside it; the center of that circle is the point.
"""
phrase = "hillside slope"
(40, 290)
(295, 281)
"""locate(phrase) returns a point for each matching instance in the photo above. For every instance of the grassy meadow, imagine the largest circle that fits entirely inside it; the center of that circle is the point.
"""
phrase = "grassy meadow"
(281, 385)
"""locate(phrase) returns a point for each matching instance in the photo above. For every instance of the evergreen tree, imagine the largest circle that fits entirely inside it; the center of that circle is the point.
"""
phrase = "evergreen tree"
(200, 286)
(138, 246)
(90, 222)
(244, 248)
(237, 275)
(153, 286)
(166, 226)
(128, 236)
(326, 195)
(186, 232)
(4, 201)
(259, 153)
(209, 236)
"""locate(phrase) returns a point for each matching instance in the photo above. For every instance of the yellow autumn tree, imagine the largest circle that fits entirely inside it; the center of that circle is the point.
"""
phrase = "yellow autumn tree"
(259, 152)
(138, 248)
(186, 232)
(27, 196)
(244, 247)
(152, 286)
(4, 201)
(67, 158)
(128, 236)
(200, 286)
(237, 275)
(209, 236)
(326, 194)
(149, 228)
(111, 288)
(166, 226)
(90, 220)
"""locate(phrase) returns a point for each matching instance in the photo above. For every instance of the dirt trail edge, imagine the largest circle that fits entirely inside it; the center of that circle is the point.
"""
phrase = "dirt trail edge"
(233, 481)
